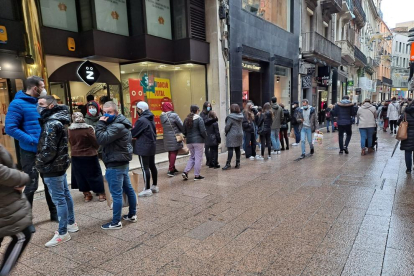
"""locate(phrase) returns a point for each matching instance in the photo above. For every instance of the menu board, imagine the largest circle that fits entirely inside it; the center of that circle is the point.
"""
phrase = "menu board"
(111, 16)
(158, 18)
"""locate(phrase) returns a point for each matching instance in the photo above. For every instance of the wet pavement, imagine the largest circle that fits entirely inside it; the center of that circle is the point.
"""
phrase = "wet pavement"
(328, 214)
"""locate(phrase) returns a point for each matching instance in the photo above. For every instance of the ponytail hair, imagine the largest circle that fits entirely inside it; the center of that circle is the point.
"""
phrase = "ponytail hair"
(190, 117)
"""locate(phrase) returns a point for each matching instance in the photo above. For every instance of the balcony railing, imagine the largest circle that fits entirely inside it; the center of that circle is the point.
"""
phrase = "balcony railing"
(333, 6)
(360, 56)
(372, 62)
(387, 81)
(315, 45)
(360, 13)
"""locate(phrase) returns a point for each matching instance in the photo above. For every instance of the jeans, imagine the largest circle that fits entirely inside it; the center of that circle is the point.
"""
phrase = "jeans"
(172, 156)
(230, 154)
(196, 158)
(265, 141)
(297, 133)
(250, 144)
(409, 160)
(329, 122)
(274, 135)
(149, 169)
(119, 183)
(306, 134)
(344, 129)
(59, 191)
(366, 133)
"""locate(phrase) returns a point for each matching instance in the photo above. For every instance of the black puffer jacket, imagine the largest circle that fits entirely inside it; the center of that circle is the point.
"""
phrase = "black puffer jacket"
(115, 138)
(248, 126)
(264, 122)
(172, 125)
(286, 119)
(213, 135)
(145, 133)
(52, 157)
(197, 133)
(408, 144)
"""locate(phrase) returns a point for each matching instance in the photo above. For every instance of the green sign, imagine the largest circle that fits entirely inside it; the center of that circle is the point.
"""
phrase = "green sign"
(350, 83)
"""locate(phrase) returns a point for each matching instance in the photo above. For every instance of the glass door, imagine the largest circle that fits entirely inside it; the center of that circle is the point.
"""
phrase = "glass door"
(6, 140)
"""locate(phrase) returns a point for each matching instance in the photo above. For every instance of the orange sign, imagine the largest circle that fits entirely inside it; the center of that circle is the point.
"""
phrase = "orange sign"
(412, 52)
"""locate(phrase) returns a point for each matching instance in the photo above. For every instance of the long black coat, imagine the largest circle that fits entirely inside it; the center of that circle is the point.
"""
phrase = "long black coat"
(408, 144)
(145, 133)
(213, 135)
(172, 125)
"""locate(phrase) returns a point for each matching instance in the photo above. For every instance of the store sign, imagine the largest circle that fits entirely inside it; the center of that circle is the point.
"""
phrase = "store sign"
(307, 81)
(59, 14)
(358, 91)
(350, 83)
(251, 66)
(111, 16)
(88, 72)
(324, 76)
(158, 18)
(3, 35)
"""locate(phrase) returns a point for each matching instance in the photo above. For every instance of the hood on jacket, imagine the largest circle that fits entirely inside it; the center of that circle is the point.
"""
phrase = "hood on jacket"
(59, 112)
(236, 116)
(22, 95)
(345, 103)
(79, 126)
(366, 105)
(96, 105)
(196, 116)
(275, 106)
(147, 115)
(121, 119)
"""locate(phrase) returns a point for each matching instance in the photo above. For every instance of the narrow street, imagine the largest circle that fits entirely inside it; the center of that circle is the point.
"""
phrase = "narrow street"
(328, 214)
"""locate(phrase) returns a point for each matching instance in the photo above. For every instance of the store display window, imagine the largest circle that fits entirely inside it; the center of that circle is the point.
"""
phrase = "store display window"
(154, 83)
(282, 84)
(275, 11)
(59, 14)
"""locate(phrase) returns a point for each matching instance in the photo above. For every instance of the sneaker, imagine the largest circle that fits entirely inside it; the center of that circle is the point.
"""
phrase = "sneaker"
(72, 228)
(279, 152)
(408, 172)
(312, 151)
(58, 239)
(145, 193)
(274, 152)
(130, 219)
(176, 171)
(243, 152)
(302, 156)
(341, 152)
(259, 157)
(110, 226)
(155, 189)
(251, 157)
(269, 158)
(346, 150)
(295, 144)
(198, 178)
(185, 175)
(170, 173)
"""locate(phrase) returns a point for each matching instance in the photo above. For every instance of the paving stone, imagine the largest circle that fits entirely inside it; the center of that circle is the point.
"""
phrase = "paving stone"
(204, 230)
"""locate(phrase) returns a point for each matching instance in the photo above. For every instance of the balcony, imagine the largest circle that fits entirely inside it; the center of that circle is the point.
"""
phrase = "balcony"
(331, 6)
(369, 68)
(386, 81)
(348, 50)
(347, 11)
(360, 17)
(360, 58)
(315, 46)
(312, 4)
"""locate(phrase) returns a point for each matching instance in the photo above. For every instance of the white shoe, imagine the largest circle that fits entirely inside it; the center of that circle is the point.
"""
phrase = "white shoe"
(259, 157)
(251, 158)
(279, 152)
(155, 189)
(295, 144)
(72, 228)
(269, 158)
(243, 152)
(274, 152)
(145, 193)
(58, 239)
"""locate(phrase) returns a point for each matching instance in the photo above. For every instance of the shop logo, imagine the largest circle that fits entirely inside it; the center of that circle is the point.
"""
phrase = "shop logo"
(88, 72)
(115, 15)
(161, 20)
(62, 7)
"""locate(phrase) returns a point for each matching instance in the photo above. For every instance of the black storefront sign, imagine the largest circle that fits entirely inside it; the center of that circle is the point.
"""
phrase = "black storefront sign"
(358, 91)
(88, 72)
(324, 76)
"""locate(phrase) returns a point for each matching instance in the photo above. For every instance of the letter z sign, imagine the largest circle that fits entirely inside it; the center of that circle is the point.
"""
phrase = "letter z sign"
(88, 72)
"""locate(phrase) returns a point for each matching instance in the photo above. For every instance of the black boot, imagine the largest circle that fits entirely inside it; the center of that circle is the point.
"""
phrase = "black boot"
(237, 164)
(227, 167)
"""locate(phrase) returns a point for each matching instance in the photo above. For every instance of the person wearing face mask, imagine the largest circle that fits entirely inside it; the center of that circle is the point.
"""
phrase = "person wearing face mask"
(22, 123)
(93, 112)
(308, 121)
(207, 122)
(294, 123)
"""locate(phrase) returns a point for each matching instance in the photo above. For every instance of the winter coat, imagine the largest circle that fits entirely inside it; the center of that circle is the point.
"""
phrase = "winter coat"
(367, 116)
(384, 112)
(344, 110)
(329, 117)
(172, 125)
(89, 119)
(15, 210)
(294, 115)
(145, 134)
(408, 144)
(204, 115)
(115, 139)
(264, 123)
(213, 135)
(286, 119)
(248, 126)
(82, 140)
(234, 130)
(22, 121)
(313, 119)
(393, 112)
(277, 116)
(197, 133)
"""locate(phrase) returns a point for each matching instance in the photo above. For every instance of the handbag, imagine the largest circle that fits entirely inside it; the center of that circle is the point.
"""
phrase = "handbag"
(179, 137)
(402, 129)
(184, 150)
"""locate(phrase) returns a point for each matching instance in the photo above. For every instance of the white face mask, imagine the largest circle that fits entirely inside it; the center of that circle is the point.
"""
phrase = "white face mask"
(42, 93)
(92, 111)
(293, 106)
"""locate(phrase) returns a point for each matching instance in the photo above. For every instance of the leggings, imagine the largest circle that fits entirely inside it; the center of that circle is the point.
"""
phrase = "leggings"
(14, 250)
(284, 134)
(265, 140)
(230, 154)
(172, 156)
(393, 125)
(147, 165)
(250, 144)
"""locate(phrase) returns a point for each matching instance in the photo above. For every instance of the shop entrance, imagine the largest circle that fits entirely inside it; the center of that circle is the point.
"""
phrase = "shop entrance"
(322, 105)
(252, 82)
(255, 87)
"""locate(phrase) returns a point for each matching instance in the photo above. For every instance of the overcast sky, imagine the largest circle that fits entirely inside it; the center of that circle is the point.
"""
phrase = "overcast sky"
(396, 11)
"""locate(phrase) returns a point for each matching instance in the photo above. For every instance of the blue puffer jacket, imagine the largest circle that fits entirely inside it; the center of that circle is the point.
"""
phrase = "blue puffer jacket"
(22, 121)
(344, 111)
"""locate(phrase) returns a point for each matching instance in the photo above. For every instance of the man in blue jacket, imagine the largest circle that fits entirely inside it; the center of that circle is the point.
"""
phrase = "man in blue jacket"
(344, 111)
(22, 123)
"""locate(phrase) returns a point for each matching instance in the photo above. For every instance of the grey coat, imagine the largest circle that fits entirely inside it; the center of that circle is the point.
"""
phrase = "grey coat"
(234, 130)
(15, 210)
(278, 116)
(172, 125)
(198, 133)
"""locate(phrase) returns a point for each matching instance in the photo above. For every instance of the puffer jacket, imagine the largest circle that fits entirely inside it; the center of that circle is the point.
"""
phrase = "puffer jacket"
(52, 157)
(367, 115)
(286, 119)
(115, 139)
(213, 135)
(264, 122)
(89, 119)
(248, 126)
(344, 110)
(145, 134)
(313, 119)
(393, 112)
(198, 133)
(277, 116)
(22, 121)
(234, 130)
(408, 144)
(15, 210)
(172, 125)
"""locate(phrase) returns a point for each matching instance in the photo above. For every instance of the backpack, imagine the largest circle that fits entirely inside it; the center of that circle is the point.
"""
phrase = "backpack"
(328, 115)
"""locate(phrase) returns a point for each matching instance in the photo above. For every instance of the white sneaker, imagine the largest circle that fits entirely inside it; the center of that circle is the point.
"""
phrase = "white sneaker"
(259, 157)
(72, 228)
(243, 152)
(269, 158)
(251, 158)
(155, 189)
(58, 239)
(279, 152)
(295, 144)
(145, 193)
(274, 152)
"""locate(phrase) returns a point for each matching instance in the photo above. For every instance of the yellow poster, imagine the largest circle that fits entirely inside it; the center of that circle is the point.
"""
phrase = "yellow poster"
(161, 92)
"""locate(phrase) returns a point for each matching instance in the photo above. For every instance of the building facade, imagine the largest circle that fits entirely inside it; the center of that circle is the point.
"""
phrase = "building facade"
(400, 62)
(384, 51)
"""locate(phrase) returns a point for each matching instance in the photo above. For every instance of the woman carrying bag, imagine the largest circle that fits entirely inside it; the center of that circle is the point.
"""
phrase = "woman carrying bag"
(408, 144)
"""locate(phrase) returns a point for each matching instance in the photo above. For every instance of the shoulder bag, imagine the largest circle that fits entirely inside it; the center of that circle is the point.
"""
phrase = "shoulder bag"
(179, 137)
(403, 129)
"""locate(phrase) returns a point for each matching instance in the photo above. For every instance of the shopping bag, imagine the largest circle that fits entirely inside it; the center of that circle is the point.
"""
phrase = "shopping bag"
(402, 130)
(317, 138)
(292, 134)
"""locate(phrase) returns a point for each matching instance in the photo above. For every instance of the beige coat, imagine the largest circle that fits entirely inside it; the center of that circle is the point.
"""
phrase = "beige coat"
(367, 115)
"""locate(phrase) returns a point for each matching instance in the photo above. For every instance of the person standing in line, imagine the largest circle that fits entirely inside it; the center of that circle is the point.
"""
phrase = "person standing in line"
(172, 126)
(114, 135)
(93, 112)
(284, 128)
(52, 161)
(86, 170)
(213, 140)
(84, 108)
(383, 116)
(308, 125)
(22, 123)
(393, 114)
(204, 115)
(329, 118)
(234, 135)
(408, 144)
(195, 133)
(264, 121)
(277, 121)
(249, 128)
(367, 117)
(145, 134)
(294, 123)
(344, 111)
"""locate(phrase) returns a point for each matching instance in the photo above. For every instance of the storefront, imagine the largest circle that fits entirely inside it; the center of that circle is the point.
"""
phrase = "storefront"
(282, 80)
(252, 81)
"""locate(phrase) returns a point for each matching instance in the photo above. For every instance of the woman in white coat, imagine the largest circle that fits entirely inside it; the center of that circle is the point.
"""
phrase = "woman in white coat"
(393, 114)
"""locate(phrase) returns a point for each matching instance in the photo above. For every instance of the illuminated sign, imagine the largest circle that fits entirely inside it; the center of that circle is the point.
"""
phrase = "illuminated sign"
(88, 72)
(251, 66)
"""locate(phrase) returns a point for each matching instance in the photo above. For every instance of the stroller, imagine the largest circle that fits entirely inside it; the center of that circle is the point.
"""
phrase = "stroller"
(374, 140)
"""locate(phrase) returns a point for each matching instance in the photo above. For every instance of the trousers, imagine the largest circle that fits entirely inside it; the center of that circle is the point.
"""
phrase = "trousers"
(149, 169)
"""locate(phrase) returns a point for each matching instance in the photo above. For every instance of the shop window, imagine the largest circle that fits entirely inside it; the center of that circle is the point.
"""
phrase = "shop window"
(158, 16)
(112, 16)
(59, 14)
(282, 85)
(154, 83)
(180, 26)
(275, 11)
